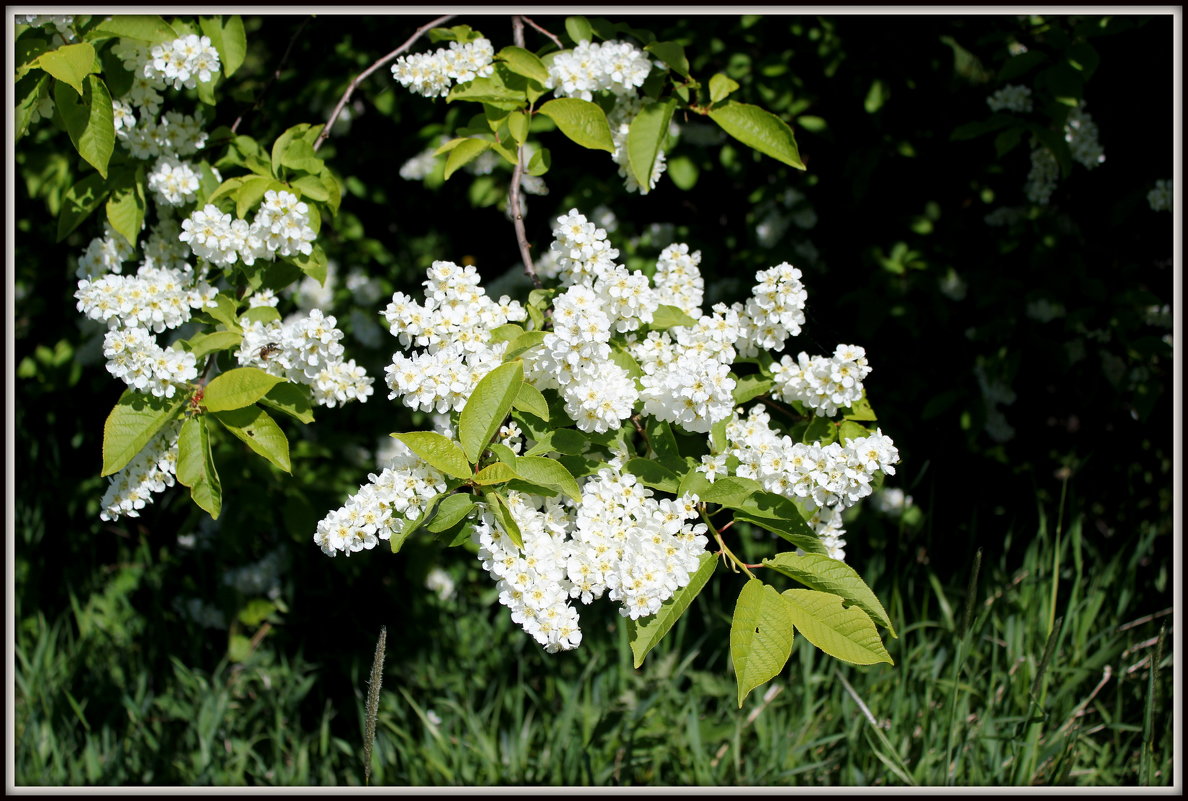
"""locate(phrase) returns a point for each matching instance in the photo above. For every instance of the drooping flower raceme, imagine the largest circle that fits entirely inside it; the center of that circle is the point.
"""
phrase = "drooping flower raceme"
(434, 74)
(150, 471)
(823, 384)
(616, 67)
(1011, 98)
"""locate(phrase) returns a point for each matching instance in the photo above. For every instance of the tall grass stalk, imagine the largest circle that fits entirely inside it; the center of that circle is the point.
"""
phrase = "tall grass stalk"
(373, 700)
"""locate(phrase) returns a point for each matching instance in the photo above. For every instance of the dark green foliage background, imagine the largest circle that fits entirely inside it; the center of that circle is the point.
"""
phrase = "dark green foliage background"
(1089, 440)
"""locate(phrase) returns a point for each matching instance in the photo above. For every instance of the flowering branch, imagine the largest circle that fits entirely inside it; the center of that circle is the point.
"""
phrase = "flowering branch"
(362, 76)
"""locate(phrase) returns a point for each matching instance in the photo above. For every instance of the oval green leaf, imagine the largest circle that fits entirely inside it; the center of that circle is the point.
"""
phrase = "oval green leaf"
(89, 121)
(133, 422)
(255, 427)
(70, 64)
(452, 510)
(760, 636)
(524, 62)
(195, 466)
(438, 451)
(582, 121)
(821, 573)
(528, 399)
(238, 388)
(550, 473)
(495, 473)
(653, 474)
(488, 405)
(758, 129)
(845, 633)
(645, 137)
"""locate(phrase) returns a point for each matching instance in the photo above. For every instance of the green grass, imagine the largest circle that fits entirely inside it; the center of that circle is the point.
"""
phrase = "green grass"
(1045, 670)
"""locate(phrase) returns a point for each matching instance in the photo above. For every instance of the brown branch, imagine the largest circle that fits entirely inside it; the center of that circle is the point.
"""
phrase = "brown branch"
(275, 74)
(513, 195)
(556, 40)
(362, 76)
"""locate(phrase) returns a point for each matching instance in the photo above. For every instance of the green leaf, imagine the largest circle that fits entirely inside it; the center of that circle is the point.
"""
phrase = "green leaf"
(845, 633)
(28, 95)
(750, 387)
(305, 131)
(291, 399)
(528, 399)
(721, 87)
(560, 440)
(503, 453)
(579, 29)
(646, 633)
(550, 473)
(860, 411)
(582, 121)
(760, 636)
(438, 451)
(683, 172)
(251, 190)
(145, 27)
(89, 121)
(503, 516)
(621, 357)
(523, 343)
(203, 344)
(79, 201)
(494, 473)
(491, 90)
(70, 64)
(524, 62)
(850, 430)
(254, 426)
(517, 125)
(463, 153)
(667, 316)
(126, 206)
(224, 311)
(315, 265)
(488, 405)
(299, 155)
(672, 54)
(238, 388)
(821, 573)
(195, 466)
(645, 137)
(312, 187)
(664, 444)
(729, 491)
(228, 38)
(799, 534)
(540, 162)
(136, 418)
(452, 510)
(653, 474)
(758, 129)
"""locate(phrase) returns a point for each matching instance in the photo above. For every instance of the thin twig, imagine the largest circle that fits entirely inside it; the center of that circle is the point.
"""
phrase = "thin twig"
(276, 74)
(362, 76)
(513, 194)
(556, 40)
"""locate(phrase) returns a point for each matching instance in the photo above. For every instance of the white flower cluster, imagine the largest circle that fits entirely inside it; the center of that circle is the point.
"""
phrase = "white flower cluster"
(134, 357)
(532, 582)
(821, 476)
(619, 542)
(1081, 134)
(1160, 197)
(173, 182)
(281, 228)
(433, 74)
(379, 509)
(183, 63)
(174, 135)
(1041, 181)
(306, 350)
(775, 310)
(1011, 98)
(678, 278)
(823, 383)
(154, 298)
(687, 381)
(105, 254)
(617, 67)
(150, 471)
(454, 326)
